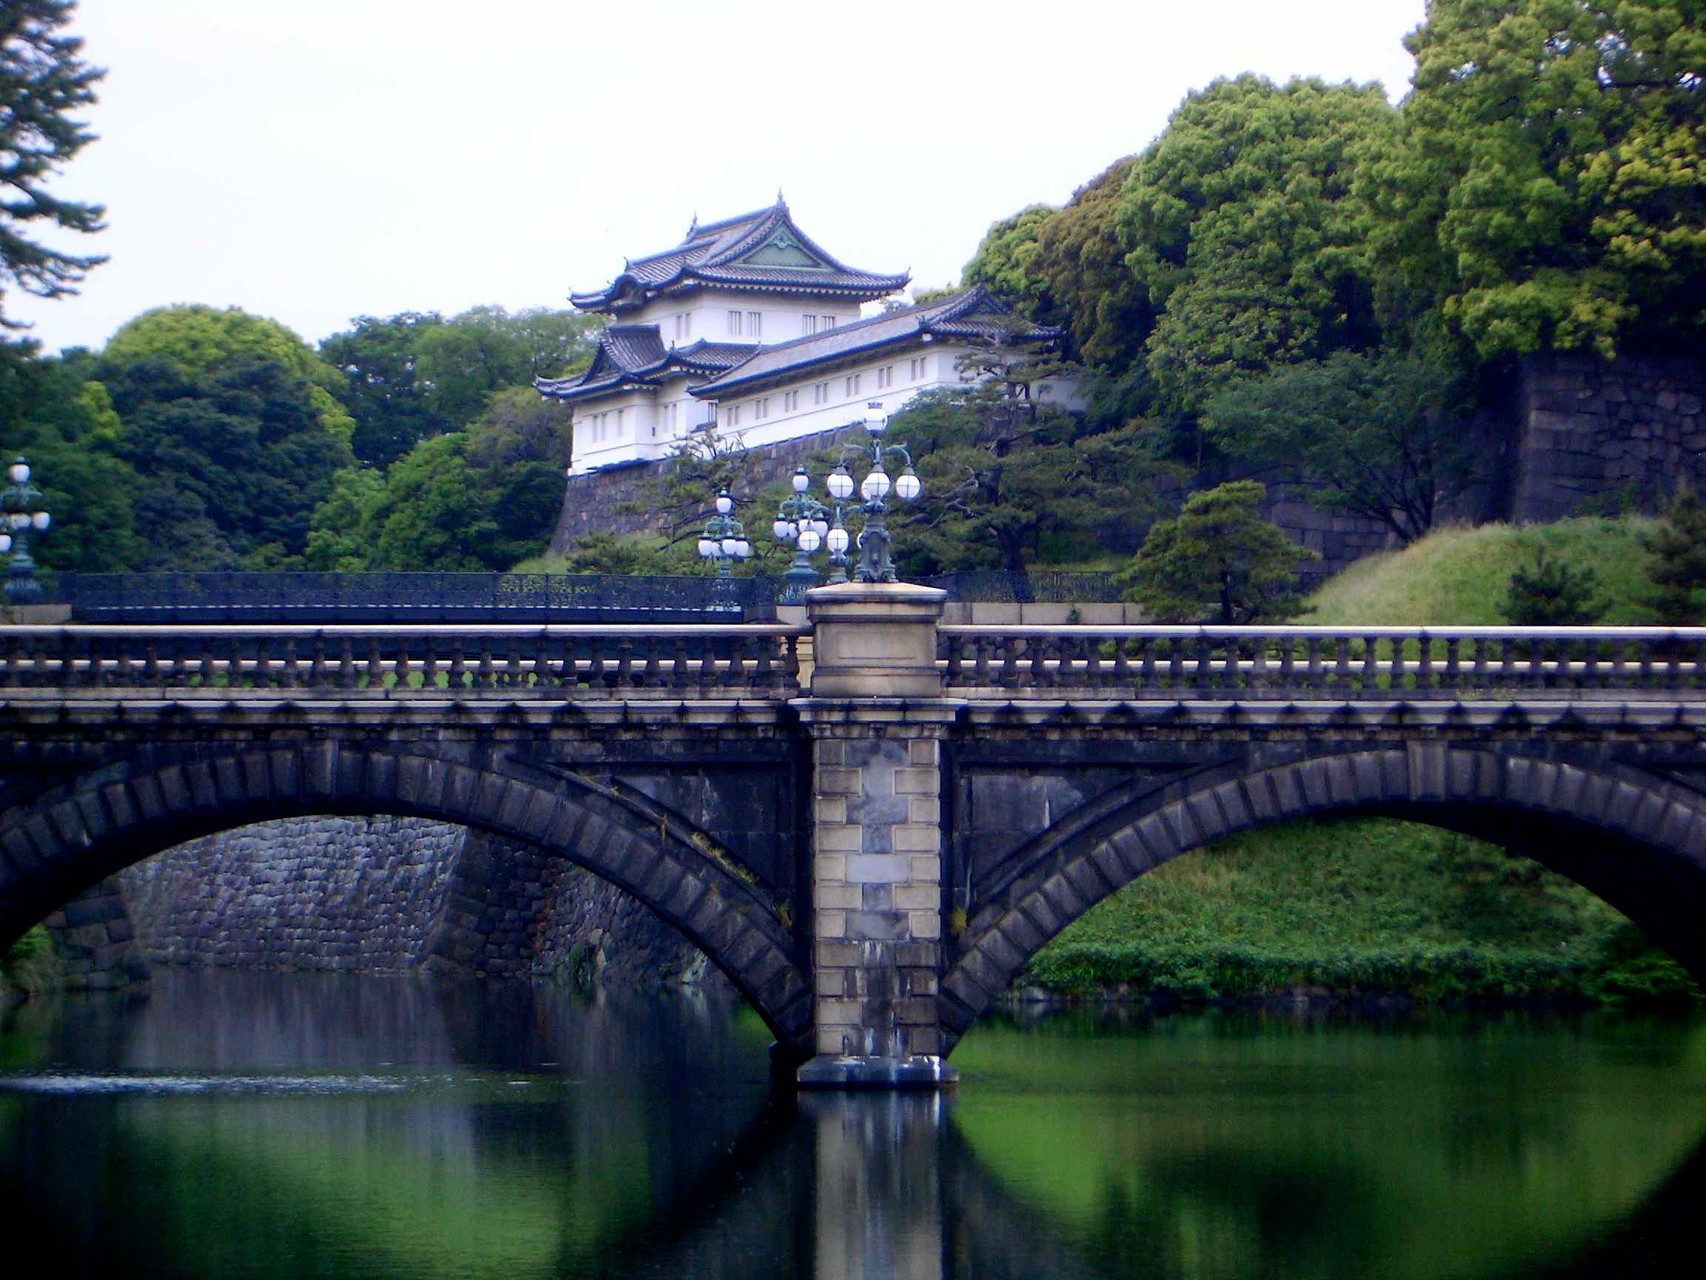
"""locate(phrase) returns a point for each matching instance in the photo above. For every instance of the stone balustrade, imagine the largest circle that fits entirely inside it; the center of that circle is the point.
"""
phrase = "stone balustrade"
(759, 660)
(1321, 663)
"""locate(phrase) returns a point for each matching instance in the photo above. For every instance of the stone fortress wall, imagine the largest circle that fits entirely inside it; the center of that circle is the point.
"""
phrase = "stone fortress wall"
(366, 894)
(1573, 435)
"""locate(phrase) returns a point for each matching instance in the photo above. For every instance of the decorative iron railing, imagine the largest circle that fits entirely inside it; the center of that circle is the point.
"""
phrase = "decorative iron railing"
(1239, 663)
(759, 660)
(410, 597)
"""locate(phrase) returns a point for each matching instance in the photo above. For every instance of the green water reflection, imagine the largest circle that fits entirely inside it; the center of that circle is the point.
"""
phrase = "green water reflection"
(288, 1125)
(1238, 1145)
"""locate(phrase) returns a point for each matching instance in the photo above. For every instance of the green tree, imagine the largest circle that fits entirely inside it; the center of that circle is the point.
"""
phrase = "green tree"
(391, 405)
(199, 340)
(1372, 435)
(230, 425)
(1246, 234)
(1678, 566)
(1219, 560)
(1550, 190)
(65, 424)
(1553, 593)
(43, 81)
(1011, 477)
(1004, 256)
(467, 358)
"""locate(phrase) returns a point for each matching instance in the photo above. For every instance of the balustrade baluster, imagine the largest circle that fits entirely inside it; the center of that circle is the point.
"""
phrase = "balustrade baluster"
(1645, 649)
(484, 677)
(1121, 677)
(122, 673)
(207, 663)
(457, 677)
(624, 662)
(735, 675)
(1342, 670)
(151, 663)
(1036, 648)
(762, 674)
(982, 660)
(290, 676)
(401, 668)
(791, 652)
(679, 674)
(512, 677)
(1478, 672)
(317, 668)
(1314, 677)
(1009, 661)
(1453, 664)
(1370, 666)
(1424, 663)
(652, 677)
(1258, 677)
(708, 666)
(429, 664)
(1175, 663)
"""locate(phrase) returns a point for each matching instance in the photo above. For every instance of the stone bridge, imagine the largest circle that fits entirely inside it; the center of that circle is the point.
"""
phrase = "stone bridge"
(872, 821)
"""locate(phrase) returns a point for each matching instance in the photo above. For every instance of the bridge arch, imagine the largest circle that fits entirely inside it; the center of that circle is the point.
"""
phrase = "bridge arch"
(1644, 850)
(79, 830)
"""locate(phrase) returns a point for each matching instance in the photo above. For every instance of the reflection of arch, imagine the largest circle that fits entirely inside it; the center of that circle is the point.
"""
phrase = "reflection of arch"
(1644, 852)
(81, 831)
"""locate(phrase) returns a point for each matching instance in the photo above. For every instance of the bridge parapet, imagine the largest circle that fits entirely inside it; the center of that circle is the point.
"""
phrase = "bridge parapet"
(395, 661)
(1323, 663)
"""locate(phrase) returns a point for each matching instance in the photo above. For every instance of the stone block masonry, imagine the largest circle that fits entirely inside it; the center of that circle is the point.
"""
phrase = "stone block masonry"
(877, 838)
(371, 895)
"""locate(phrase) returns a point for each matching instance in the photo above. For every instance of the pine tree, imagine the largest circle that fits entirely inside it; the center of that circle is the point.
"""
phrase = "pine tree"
(42, 81)
(1553, 593)
(1678, 548)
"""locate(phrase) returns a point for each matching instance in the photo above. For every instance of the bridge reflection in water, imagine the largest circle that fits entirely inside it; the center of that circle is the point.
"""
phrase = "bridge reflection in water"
(872, 822)
(317, 1126)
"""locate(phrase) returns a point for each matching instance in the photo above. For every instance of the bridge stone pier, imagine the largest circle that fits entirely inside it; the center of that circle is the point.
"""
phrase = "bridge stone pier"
(871, 821)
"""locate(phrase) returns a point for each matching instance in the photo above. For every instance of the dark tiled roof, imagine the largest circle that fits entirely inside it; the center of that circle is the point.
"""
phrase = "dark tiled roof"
(635, 353)
(711, 256)
(975, 315)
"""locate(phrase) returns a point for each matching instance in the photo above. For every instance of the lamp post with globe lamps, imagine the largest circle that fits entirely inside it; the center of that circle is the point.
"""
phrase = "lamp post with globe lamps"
(21, 515)
(802, 520)
(724, 540)
(875, 562)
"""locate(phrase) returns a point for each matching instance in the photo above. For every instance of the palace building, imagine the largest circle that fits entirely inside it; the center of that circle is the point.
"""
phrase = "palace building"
(749, 325)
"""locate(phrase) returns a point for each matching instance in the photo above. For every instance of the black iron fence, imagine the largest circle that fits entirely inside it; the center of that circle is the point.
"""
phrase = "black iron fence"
(326, 598)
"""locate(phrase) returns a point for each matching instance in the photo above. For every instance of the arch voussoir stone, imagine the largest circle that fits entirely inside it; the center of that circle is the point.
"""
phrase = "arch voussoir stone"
(58, 842)
(1475, 789)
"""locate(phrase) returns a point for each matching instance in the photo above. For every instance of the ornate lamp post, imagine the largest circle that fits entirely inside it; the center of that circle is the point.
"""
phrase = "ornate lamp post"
(21, 514)
(801, 520)
(875, 563)
(724, 540)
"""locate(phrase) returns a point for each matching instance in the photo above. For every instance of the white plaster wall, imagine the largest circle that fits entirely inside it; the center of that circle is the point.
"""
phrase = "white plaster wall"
(783, 320)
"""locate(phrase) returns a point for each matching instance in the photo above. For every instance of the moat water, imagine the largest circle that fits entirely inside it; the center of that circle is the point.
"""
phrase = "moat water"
(312, 1126)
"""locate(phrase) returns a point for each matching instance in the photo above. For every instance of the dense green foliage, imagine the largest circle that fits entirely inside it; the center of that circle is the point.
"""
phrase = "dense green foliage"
(43, 82)
(1549, 190)
(1218, 561)
(1371, 435)
(1367, 906)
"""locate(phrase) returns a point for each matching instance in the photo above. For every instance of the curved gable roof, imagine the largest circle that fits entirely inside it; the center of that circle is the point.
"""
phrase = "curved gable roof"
(762, 251)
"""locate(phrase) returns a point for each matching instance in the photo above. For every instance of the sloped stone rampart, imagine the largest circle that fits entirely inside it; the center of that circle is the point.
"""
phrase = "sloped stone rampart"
(1565, 434)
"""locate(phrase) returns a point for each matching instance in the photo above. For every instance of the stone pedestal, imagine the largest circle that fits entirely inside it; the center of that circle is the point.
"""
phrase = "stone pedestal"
(876, 716)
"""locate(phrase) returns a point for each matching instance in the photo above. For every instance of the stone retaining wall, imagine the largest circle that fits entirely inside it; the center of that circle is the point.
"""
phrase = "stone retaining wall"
(375, 895)
(1566, 434)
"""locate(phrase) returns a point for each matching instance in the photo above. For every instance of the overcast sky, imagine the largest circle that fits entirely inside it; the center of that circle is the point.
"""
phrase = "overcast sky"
(316, 160)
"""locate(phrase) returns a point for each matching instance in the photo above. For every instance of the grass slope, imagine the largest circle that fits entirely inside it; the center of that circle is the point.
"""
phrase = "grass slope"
(1461, 576)
(1375, 906)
